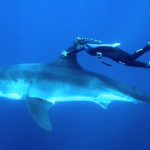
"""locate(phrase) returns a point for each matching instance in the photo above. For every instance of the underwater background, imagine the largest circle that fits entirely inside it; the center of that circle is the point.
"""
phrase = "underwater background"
(37, 32)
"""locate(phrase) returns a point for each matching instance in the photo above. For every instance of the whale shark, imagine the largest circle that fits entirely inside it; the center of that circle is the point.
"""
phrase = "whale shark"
(43, 85)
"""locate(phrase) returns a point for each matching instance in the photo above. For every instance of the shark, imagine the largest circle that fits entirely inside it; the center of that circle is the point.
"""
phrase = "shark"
(43, 85)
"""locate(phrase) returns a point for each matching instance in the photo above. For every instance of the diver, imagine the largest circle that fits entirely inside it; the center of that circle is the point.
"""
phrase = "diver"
(95, 47)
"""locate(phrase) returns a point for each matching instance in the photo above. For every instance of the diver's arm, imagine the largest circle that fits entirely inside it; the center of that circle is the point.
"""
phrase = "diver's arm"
(80, 44)
(70, 50)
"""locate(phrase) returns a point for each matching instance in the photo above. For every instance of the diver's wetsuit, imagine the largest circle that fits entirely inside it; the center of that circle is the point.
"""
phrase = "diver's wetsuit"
(121, 56)
(110, 51)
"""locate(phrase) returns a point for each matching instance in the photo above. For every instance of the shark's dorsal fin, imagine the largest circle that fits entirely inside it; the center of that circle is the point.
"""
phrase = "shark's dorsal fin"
(69, 61)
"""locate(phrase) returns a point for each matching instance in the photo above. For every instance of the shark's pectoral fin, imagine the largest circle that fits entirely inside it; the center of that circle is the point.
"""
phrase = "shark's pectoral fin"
(39, 108)
(104, 104)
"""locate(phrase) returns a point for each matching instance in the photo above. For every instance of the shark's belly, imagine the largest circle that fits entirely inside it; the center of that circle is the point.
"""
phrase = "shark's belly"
(62, 92)
(63, 89)
(58, 89)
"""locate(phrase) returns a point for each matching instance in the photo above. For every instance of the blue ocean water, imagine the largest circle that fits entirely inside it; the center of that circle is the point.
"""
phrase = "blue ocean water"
(37, 31)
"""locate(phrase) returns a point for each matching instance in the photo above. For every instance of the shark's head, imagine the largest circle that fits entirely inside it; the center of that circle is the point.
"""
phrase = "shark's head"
(12, 84)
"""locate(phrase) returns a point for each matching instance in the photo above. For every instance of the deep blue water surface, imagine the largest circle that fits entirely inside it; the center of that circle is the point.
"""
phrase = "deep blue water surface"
(37, 31)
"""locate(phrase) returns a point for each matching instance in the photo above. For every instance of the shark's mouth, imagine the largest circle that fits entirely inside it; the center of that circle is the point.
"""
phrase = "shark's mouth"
(16, 90)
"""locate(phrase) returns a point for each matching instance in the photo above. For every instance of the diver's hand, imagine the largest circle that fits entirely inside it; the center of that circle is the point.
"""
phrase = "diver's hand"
(64, 53)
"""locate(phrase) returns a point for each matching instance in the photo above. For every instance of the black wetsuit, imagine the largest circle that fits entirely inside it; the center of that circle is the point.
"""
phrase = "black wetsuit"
(121, 56)
(117, 55)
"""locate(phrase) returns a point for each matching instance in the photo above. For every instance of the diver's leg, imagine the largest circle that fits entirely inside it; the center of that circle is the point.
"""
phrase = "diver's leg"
(122, 59)
(125, 59)
(140, 52)
(138, 64)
